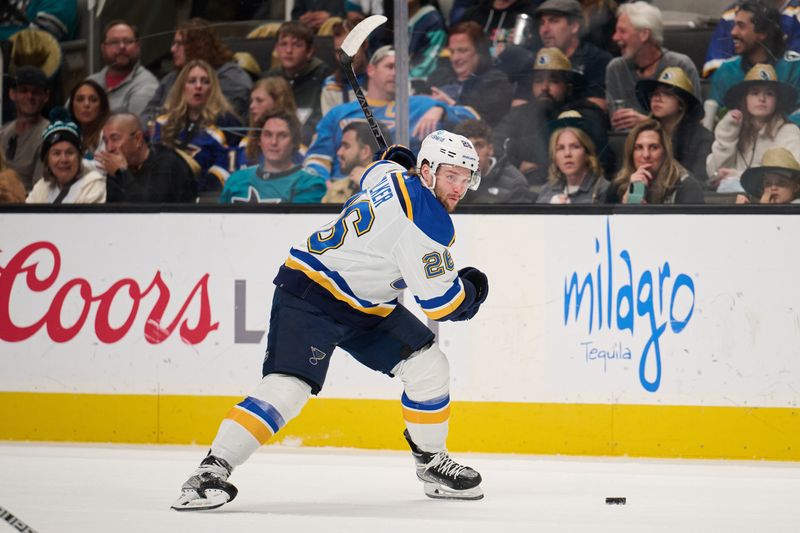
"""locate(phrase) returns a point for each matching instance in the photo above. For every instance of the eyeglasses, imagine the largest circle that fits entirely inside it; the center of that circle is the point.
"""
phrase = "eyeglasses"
(11, 150)
(120, 42)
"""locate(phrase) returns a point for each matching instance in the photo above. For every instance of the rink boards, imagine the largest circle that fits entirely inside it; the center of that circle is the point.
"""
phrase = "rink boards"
(637, 334)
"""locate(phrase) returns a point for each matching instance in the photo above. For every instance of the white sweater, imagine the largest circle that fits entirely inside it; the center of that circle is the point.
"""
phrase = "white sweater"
(724, 153)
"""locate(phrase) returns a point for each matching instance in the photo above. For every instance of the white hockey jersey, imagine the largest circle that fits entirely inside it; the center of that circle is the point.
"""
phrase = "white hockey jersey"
(392, 235)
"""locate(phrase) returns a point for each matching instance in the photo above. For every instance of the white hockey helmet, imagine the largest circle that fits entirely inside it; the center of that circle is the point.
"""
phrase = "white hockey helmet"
(444, 147)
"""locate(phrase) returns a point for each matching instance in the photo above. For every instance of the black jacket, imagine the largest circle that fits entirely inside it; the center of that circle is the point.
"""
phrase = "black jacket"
(164, 177)
(691, 144)
(488, 91)
(524, 135)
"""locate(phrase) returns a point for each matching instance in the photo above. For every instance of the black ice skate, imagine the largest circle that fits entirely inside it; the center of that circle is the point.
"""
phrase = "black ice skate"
(444, 478)
(208, 488)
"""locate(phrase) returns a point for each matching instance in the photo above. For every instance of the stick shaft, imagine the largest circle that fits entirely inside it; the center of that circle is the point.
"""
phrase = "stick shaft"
(349, 73)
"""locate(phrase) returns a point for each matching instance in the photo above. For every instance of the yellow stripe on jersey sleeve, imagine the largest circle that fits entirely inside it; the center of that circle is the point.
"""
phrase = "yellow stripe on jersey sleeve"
(381, 310)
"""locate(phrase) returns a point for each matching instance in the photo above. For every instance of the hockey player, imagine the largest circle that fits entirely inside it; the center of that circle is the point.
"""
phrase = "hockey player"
(340, 287)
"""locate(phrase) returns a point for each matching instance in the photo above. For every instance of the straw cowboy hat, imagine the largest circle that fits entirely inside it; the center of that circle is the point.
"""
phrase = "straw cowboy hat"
(775, 161)
(554, 60)
(676, 80)
(763, 74)
(35, 48)
(573, 119)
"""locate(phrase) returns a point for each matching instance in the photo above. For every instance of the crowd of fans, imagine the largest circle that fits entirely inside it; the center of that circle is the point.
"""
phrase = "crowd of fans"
(566, 101)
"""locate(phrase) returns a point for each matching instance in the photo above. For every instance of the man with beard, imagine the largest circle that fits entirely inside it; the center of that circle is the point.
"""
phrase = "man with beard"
(640, 37)
(561, 26)
(128, 84)
(757, 38)
(355, 153)
(524, 133)
(721, 46)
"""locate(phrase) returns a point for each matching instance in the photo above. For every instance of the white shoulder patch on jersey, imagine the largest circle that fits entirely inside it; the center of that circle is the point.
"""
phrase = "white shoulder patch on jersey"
(376, 171)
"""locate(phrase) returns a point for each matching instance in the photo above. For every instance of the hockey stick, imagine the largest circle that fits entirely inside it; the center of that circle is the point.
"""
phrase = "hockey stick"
(15, 522)
(349, 49)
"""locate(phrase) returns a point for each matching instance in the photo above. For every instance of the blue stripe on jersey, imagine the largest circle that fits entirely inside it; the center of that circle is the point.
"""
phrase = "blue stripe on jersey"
(402, 194)
(428, 405)
(429, 214)
(439, 301)
(264, 411)
(335, 277)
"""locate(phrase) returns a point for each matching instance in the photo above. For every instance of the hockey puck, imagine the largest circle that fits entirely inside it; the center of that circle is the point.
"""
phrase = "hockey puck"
(611, 500)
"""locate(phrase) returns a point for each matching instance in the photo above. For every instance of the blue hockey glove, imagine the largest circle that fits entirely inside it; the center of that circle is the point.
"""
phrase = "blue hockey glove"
(400, 155)
(478, 280)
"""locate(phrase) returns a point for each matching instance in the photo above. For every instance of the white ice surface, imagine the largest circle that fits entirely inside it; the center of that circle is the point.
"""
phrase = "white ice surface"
(122, 489)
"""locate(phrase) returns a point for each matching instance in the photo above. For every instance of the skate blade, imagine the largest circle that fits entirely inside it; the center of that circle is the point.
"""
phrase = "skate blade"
(440, 492)
(191, 501)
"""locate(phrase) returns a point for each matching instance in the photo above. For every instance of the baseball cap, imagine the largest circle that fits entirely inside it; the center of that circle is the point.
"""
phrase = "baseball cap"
(28, 75)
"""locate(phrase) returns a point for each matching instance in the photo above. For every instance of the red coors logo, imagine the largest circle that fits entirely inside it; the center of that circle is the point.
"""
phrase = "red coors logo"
(155, 330)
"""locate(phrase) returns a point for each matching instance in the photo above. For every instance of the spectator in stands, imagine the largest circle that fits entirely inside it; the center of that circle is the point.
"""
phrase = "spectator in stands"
(525, 131)
(302, 69)
(314, 13)
(267, 95)
(335, 88)
(670, 99)
(21, 139)
(561, 26)
(195, 122)
(128, 84)
(575, 175)
(196, 39)
(497, 18)
(722, 46)
(278, 179)
(89, 108)
(66, 178)
(756, 122)
(59, 19)
(757, 38)
(425, 115)
(648, 160)
(469, 78)
(12, 191)
(427, 35)
(776, 181)
(640, 36)
(501, 182)
(141, 173)
(356, 152)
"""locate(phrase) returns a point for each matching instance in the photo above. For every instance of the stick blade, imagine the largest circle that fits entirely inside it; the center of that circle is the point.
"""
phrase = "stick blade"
(359, 34)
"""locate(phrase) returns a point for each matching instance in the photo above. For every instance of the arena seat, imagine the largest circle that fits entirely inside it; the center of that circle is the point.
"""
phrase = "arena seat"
(689, 34)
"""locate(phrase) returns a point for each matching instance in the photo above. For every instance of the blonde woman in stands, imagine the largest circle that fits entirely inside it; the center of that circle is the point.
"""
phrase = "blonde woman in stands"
(757, 121)
(575, 176)
(650, 174)
(200, 125)
(268, 94)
